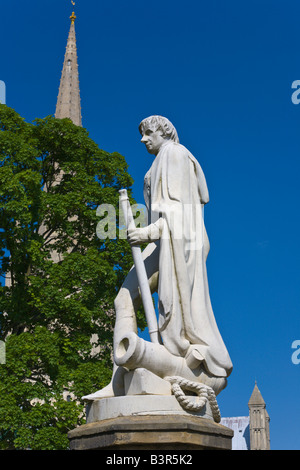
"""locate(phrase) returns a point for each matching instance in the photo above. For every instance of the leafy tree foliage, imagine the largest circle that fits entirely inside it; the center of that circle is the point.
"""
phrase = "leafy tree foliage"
(52, 179)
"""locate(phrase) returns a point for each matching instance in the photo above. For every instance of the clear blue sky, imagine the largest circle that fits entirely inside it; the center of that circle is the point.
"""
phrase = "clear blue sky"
(222, 73)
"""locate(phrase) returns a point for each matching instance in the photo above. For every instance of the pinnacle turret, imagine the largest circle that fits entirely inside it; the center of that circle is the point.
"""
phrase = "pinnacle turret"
(256, 397)
(259, 421)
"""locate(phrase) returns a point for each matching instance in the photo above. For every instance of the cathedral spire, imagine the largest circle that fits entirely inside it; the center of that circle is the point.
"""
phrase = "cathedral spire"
(68, 101)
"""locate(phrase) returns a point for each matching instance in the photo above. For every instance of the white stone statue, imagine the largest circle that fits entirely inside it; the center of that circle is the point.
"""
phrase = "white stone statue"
(191, 346)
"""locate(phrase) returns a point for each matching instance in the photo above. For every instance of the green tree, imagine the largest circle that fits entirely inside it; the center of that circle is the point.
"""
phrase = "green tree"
(52, 179)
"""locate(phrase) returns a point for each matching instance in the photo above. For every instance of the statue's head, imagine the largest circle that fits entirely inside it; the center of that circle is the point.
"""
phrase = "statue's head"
(156, 123)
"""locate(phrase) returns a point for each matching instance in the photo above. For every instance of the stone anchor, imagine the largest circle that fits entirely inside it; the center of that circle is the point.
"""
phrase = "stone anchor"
(133, 352)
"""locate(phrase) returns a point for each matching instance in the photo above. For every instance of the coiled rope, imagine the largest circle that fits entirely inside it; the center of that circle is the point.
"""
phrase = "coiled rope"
(204, 392)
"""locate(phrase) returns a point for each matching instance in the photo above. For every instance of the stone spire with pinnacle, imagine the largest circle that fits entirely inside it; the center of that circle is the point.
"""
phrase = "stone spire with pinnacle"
(68, 101)
(259, 421)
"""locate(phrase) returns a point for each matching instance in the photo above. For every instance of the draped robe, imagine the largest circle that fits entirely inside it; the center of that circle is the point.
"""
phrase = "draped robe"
(175, 192)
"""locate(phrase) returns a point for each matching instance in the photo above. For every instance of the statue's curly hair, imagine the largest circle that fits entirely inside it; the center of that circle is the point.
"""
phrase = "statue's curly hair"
(159, 122)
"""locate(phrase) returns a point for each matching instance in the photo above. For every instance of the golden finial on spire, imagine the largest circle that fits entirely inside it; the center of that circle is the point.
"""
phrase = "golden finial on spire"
(73, 17)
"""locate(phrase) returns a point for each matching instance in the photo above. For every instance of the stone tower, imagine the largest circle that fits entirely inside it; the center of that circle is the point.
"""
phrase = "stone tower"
(68, 106)
(259, 422)
(68, 101)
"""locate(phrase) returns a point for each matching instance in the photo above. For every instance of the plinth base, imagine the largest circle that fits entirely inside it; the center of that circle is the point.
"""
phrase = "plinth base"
(160, 432)
(107, 408)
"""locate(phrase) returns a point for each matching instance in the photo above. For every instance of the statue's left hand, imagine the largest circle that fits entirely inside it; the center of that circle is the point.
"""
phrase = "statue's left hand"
(151, 233)
(138, 236)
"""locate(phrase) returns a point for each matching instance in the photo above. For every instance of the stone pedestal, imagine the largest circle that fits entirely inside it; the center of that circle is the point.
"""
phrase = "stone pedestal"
(141, 405)
(148, 417)
(156, 432)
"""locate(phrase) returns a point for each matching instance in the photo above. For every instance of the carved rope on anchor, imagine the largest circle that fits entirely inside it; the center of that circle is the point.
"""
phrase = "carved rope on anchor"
(204, 392)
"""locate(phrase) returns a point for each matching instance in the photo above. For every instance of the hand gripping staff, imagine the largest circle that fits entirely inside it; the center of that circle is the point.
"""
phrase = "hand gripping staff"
(141, 272)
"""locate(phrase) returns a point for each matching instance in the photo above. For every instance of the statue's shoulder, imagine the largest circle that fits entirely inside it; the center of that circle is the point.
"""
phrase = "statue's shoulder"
(182, 152)
(176, 148)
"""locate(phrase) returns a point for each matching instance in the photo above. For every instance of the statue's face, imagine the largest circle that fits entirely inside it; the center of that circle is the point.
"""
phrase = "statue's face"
(153, 140)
